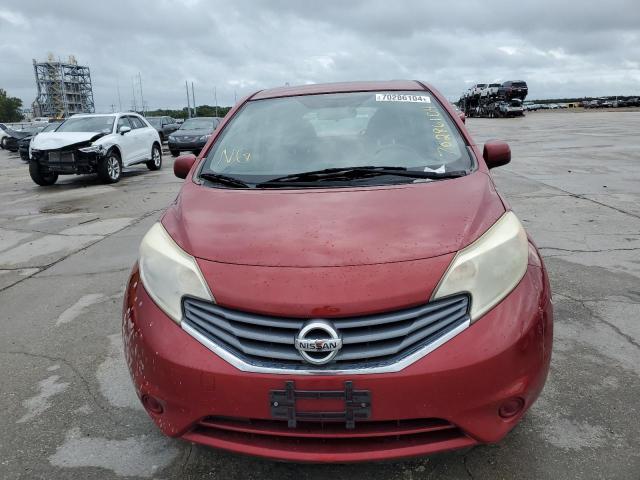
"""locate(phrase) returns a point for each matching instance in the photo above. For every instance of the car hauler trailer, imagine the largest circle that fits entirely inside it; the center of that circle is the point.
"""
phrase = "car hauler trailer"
(495, 101)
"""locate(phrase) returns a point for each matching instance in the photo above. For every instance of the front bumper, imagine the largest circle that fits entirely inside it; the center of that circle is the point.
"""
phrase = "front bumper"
(68, 161)
(448, 399)
(24, 152)
(190, 145)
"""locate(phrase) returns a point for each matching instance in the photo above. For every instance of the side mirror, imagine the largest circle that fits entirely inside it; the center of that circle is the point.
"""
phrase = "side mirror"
(183, 164)
(124, 129)
(463, 117)
(496, 153)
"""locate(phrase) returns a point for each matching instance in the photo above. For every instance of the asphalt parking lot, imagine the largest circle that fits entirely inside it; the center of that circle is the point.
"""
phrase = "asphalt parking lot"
(67, 406)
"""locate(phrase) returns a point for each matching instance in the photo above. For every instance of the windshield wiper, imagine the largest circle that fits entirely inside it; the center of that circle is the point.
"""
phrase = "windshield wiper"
(224, 180)
(351, 173)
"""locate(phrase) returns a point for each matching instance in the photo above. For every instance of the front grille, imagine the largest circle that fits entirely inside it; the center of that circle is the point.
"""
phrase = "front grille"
(386, 428)
(368, 341)
(61, 157)
(317, 438)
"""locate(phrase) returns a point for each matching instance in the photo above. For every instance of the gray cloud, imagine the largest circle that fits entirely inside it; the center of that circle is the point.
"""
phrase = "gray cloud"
(560, 48)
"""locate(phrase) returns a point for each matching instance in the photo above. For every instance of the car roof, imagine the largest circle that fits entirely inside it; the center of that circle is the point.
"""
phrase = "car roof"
(97, 114)
(340, 87)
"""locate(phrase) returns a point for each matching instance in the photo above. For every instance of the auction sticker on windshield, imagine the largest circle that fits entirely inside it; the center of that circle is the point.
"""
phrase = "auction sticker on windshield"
(402, 97)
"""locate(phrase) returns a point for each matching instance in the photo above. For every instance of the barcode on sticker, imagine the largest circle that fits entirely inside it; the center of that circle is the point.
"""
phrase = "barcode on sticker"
(401, 97)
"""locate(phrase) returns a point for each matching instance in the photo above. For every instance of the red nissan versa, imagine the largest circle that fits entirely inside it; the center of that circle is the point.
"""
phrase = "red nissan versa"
(338, 280)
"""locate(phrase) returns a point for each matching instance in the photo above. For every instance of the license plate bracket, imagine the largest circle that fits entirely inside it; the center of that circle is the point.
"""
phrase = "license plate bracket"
(357, 405)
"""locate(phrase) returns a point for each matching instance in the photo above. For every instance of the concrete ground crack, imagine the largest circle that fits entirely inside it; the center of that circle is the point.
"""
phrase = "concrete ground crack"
(46, 267)
(466, 464)
(186, 460)
(575, 195)
(17, 269)
(613, 326)
(102, 272)
(577, 250)
(83, 380)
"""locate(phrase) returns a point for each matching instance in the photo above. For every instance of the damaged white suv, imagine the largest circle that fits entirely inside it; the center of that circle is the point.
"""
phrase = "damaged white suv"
(94, 143)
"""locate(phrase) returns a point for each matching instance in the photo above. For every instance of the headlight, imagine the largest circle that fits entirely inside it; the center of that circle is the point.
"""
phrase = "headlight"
(205, 137)
(168, 272)
(490, 268)
(92, 149)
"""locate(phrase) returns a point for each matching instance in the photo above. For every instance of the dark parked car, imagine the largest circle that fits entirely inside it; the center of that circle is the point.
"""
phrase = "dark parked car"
(10, 142)
(164, 125)
(514, 89)
(23, 143)
(192, 135)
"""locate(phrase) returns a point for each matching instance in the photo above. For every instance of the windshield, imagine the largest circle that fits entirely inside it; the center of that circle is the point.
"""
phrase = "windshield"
(198, 124)
(87, 124)
(154, 121)
(280, 136)
(31, 129)
(51, 127)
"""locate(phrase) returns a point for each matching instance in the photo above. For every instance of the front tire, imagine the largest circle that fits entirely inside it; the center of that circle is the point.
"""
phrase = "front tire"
(3, 143)
(156, 158)
(110, 168)
(175, 153)
(44, 179)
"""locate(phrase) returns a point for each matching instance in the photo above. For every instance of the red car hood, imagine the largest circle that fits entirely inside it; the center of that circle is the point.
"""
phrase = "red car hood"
(333, 227)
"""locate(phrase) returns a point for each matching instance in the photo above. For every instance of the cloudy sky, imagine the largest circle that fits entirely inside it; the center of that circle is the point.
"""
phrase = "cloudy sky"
(561, 48)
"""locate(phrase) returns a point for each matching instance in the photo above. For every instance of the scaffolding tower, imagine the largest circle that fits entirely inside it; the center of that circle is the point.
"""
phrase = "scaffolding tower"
(64, 89)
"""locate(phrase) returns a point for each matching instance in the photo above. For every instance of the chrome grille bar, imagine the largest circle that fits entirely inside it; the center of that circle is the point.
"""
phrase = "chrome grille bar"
(381, 342)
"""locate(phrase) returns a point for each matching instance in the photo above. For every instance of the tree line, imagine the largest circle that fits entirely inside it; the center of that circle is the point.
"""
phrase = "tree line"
(202, 111)
(9, 108)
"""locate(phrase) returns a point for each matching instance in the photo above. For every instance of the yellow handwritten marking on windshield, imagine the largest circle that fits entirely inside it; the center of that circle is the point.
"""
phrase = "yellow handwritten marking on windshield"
(440, 131)
(234, 156)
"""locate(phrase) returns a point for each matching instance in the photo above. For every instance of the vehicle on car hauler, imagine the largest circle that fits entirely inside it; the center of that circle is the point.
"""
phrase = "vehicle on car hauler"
(94, 143)
(496, 100)
(338, 280)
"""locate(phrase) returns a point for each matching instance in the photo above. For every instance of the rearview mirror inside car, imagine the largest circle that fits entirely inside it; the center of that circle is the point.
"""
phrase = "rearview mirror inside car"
(496, 153)
(182, 165)
(124, 129)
